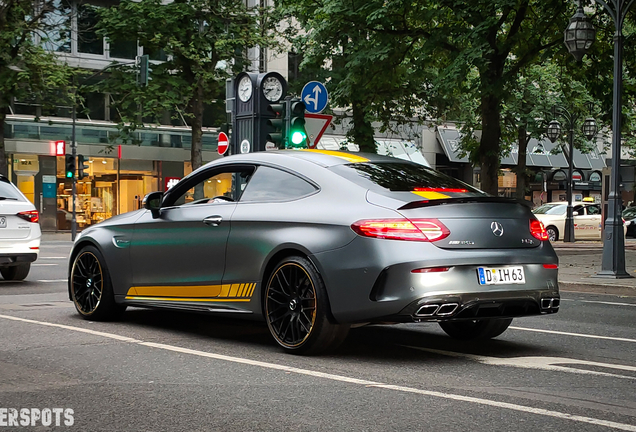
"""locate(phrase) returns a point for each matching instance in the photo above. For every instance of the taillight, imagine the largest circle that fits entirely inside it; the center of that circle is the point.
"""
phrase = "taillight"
(29, 216)
(551, 266)
(402, 229)
(538, 230)
(431, 270)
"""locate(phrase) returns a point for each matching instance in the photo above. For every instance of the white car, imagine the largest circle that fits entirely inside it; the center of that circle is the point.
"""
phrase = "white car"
(587, 219)
(19, 232)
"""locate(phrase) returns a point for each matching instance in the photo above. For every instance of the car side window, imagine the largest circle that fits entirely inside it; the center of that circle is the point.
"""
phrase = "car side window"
(218, 186)
(593, 210)
(578, 209)
(271, 184)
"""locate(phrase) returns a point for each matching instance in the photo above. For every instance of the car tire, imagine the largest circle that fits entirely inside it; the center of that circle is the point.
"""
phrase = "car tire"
(297, 309)
(475, 329)
(15, 273)
(553, 233)
(91, 287)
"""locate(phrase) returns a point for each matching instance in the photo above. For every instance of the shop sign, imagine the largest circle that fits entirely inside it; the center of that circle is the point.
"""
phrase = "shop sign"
(170, 181)
(26, 164)
(49, 183)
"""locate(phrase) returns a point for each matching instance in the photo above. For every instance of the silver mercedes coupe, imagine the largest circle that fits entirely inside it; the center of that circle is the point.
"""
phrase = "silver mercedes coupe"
(314, 241)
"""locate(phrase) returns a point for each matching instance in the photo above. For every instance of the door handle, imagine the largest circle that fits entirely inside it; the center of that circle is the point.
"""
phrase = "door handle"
(213, 220)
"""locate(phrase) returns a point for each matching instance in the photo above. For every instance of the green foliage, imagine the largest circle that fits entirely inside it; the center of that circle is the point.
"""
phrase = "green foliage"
(367, 73)
(201, 43)
(26, 69)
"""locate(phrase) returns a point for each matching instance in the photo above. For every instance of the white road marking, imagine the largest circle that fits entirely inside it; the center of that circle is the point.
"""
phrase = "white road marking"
(538, 362)
(600, 302)
(608, 303)
(575, 334)
(53, 280)
(333, 377)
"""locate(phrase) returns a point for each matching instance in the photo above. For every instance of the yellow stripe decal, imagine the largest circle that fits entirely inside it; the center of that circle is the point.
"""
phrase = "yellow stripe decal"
(231, 292)
(431, 195)
(225, 290)
(198, 299)
(177, 291)
(346, 156)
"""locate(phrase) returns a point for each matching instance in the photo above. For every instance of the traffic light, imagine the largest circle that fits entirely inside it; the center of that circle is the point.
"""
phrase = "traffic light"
(276, 125)
(69, 164)
(296, 133)
(81, 167)
(144, 70)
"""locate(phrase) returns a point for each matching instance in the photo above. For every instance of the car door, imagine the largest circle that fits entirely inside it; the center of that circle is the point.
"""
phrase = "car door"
(179, 255)
(580, 222)
(593, 221)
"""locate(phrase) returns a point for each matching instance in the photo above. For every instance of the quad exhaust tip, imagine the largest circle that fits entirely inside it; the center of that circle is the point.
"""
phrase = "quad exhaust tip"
(430, 310)
(550, 303)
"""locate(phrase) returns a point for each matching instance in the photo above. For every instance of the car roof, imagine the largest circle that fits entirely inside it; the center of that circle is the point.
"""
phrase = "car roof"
(325, 158)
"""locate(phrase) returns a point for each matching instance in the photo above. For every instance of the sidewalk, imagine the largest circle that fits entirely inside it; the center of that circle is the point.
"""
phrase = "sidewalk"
(578, 264)
(48, 236)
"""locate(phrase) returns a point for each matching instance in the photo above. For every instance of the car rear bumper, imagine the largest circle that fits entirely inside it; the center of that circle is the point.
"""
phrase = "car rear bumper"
(484, 305)
(11, 259)
(370, 281)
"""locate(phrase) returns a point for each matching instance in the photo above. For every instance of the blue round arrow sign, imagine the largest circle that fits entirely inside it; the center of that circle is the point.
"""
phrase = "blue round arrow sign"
(315, 97)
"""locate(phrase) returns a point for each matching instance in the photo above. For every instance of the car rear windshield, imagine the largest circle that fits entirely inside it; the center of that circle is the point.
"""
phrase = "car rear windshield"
(551, 209)
(8, 191)
(404, 177)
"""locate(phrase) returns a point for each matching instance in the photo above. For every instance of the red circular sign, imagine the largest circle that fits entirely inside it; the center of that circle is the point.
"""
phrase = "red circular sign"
(224, 142)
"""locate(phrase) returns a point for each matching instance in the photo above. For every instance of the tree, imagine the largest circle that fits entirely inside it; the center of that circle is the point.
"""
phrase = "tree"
(26, 69)
(367, 73)
(200, 42)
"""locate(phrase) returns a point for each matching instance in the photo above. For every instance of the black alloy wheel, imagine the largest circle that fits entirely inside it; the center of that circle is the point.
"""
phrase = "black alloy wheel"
(91, 289)
(291, 305)
(88, 282)
(296, 309)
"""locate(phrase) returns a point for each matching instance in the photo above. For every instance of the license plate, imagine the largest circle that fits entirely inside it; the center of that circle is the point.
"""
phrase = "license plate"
(501, 275)
(3, 222)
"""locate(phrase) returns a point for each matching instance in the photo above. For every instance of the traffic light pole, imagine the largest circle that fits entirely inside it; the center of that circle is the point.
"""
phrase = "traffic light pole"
(74, 154)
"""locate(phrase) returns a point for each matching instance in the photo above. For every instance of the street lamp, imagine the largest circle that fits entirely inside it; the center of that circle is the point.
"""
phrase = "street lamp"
(578, 40)
(553, 132)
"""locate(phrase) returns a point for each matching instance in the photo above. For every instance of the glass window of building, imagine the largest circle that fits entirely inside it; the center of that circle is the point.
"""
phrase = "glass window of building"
(88, 41)
(55, 34)
(107, 190)
(123, 49)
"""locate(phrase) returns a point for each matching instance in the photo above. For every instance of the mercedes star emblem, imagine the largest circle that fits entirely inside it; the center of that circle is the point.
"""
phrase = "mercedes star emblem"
(497, 229)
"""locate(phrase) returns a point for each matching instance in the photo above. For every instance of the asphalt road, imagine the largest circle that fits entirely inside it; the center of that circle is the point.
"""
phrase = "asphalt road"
(167, 371)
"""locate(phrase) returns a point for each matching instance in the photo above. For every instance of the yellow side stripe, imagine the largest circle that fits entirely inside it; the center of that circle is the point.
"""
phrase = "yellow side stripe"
(346, 156)
(431, 195)
(196, 299)
(225, 291)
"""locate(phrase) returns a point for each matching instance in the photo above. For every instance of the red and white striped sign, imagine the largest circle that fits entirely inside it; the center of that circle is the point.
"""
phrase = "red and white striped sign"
(224, 143)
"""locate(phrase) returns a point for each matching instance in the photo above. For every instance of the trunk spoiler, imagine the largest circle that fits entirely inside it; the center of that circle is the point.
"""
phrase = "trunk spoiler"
(474, 199)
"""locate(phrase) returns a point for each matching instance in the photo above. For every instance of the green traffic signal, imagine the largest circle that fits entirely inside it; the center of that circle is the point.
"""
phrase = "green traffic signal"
(297, 133)
(298, 137)
(69, 164)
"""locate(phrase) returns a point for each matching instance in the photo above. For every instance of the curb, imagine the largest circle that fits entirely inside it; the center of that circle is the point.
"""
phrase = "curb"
(597, 288)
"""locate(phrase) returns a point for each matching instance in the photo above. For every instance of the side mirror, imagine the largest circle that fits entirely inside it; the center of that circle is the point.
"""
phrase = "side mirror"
(575, 213)
(152, 202)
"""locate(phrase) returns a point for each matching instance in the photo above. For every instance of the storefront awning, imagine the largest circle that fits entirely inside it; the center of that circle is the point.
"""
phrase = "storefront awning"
(542, 153)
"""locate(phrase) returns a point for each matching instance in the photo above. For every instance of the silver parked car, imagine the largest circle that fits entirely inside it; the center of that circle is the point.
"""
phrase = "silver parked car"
(313, 241)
